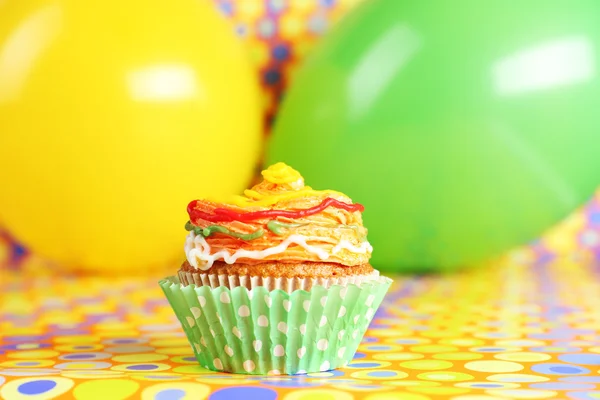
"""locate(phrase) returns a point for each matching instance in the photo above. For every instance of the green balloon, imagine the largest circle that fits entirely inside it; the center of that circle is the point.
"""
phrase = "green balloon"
(464, 127)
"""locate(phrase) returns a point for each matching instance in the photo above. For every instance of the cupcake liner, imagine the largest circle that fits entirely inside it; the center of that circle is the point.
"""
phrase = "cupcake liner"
(274, 332)
(286, 284)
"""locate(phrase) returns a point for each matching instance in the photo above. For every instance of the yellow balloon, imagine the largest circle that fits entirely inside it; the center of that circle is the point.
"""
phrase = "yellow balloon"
(113, 115)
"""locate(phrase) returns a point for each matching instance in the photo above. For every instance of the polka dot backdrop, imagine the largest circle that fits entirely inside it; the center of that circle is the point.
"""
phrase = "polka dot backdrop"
(514, 330)
(278, 35)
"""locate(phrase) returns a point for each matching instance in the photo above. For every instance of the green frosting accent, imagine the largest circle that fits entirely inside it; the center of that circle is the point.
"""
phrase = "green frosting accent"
(209, 230)
(277, 227)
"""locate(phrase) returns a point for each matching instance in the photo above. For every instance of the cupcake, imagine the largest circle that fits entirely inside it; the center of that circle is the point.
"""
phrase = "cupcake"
(276, 281)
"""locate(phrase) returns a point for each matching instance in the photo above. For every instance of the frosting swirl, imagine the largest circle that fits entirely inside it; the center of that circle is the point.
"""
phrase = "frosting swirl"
(279, 219)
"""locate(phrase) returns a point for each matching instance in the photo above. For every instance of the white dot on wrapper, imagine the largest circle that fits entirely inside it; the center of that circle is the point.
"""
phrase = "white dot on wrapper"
(249, 365)
(302, 329)
(257, 344)
(342, 312)
(282, 327)
(212, 332)
(197, 347)
(196, 312)
(306, 305)
(355, 334)
(356, 319)
(341, 334)
(268, 301)
(202, 341)
(369, 300)
(343, 292)
(244, 311)
(322, 344)
(228, 350)
(323, 321)
(323, 301)
(190, 321)
(217, 363)
(219, 318)
(286, 305)
(262, 321)
(278, 350)
(224, 297)
(236, 332)
(341, 352)
(274, 372)
(325, 366)
(369, 314)
(301, 352)
(202, 301)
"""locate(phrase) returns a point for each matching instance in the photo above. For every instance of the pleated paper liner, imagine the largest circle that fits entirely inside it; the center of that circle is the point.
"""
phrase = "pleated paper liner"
(286, 284)
(274, 332)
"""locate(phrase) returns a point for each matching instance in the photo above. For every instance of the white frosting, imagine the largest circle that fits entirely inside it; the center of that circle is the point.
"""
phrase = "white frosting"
(196, 248)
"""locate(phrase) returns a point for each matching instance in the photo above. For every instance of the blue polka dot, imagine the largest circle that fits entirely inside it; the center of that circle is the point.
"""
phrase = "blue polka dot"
(368, 339)
(561, 386)
(364, 365)
(281, 52)
(559, 369)
(27, 363)
(379, 348)
(382, 374)
(584, 395)
(272, 77)
(170, 394)
(590, 379)
(244, 392)
(142, 367)
(554, 349)
(36, 387)
(486, 385)
(583, 358)
(226, 8)
(490, 349)
(407, 341)
(327, 3)
(358, 356)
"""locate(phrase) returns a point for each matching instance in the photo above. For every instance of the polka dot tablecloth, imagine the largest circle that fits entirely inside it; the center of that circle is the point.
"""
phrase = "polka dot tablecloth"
(507, 331)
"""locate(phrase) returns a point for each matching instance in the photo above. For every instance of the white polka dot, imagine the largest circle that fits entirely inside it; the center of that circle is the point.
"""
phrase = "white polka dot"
(342, 312)
(325, 366)
(219, 318)
(369, 300)
(202, 341)
(343, 292)
(278, 351)
(341, 334)
(323, 301)
(274, 372)
(268, 301)
(323, 321)
(191, 321)
(302, 329)
(228, 350)
(355, 334)
(236, 332)
(306, 305)
(301, 352)
(257, 344)
(197, 347)
(341, 352)
(244, 311)
(212, 332)
(224, 297)
(262, 321)
(322, 344)
(369, 314)
(287, 305)
(282, 327)
(249, 365)
(196, 312)
(217, 363)
(202, 301)
(356, 319)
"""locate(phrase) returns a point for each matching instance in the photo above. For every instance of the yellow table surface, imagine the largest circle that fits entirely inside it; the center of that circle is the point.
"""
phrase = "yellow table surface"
(507, 331)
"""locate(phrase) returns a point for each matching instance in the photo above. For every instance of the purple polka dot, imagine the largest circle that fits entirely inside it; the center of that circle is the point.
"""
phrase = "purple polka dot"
(244, 392)
(78, 356)
(27, 363)
(365, 365)
(486, 385)
(142, 367)
(561, 386)
(189, 358)
(36, 387)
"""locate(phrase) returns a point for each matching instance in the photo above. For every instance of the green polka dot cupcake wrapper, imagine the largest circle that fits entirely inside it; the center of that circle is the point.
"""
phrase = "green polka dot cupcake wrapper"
(274, 332)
